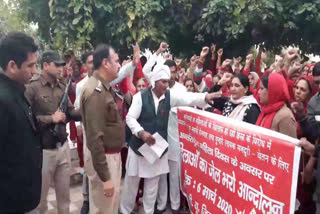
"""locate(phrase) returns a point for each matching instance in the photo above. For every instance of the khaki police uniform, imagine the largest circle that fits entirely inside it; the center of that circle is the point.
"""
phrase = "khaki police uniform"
(105, 137)
(45, 99)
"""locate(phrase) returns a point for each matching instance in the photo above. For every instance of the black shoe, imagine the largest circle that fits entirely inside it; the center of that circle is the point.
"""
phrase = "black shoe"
(85, 208)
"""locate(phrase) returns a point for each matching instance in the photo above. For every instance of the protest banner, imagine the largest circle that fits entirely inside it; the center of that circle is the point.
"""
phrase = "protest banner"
(229, 166)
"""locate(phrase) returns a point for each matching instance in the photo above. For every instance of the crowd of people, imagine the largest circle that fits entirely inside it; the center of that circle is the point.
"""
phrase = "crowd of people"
(114, 109)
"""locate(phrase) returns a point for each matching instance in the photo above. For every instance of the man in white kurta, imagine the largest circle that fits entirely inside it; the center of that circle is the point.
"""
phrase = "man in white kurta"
(137, 166)
(173, 140)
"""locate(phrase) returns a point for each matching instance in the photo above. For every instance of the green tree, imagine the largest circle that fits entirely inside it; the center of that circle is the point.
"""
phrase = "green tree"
(13, 17)
(185, 24)
(275, 23)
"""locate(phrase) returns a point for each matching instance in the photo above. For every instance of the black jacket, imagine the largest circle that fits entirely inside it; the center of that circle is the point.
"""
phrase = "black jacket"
(20, 151)
(310, 128)
(150, 120)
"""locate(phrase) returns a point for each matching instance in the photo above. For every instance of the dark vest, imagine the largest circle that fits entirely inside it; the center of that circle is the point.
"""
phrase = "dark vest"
(151, 121)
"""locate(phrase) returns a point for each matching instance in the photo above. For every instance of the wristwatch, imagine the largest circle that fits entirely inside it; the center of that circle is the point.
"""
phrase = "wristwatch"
(316, 151)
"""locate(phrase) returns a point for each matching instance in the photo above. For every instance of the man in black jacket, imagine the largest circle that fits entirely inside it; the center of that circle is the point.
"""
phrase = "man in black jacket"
(20, 146)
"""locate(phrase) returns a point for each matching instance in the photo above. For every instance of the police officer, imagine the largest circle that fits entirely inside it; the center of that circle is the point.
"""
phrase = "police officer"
(44, 94)
(105, 133)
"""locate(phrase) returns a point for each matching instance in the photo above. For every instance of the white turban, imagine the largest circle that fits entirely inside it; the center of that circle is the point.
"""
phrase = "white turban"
(160, 72)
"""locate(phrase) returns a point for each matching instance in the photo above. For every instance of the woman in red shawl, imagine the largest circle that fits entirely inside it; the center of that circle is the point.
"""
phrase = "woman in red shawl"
(304, 89)
(275, 114)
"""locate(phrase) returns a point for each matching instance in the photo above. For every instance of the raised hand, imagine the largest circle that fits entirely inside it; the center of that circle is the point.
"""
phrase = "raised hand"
(226, 62)
(249, 58)
(136, 54)
(163, 46)
(225, 78)
(194, 61)
(292, 53)
(238, 60)
(220, 52)
(204, 52)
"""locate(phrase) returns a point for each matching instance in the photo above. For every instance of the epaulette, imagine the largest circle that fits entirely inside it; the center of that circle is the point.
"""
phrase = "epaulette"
(98, 88)
(34, 78)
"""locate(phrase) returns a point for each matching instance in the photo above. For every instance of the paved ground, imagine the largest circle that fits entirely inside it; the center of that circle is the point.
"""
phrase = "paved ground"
(75, 190)
(76, 187)
(76, 201)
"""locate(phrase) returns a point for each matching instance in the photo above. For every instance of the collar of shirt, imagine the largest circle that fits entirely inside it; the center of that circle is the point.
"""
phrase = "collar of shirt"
(157, 100)
(155, 96)
(17, 87)
(44, 82)
(104, 83)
